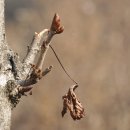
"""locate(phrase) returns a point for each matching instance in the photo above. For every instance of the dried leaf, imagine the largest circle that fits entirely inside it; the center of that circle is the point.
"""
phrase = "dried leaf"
(71, 103)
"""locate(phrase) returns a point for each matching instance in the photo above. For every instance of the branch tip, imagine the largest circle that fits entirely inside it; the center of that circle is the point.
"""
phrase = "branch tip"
(43, 31)
(35, 33)
(56, 24)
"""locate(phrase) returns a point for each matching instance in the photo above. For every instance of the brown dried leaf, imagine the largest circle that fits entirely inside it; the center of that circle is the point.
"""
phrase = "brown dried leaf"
(71, 103)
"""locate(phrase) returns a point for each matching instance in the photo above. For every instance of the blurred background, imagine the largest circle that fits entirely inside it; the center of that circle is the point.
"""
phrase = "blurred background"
(95, 49)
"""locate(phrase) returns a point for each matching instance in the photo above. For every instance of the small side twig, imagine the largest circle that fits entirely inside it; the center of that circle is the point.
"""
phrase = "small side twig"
(34, 76)
(47, 70)
(34, 47)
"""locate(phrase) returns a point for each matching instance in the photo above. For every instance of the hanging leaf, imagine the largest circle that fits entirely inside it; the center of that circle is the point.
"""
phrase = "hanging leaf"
(71, 103)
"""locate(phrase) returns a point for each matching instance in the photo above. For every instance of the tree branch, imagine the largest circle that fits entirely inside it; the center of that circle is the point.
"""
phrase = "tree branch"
(34, 47)
(35, 75)
(55, 28)
(32, 72)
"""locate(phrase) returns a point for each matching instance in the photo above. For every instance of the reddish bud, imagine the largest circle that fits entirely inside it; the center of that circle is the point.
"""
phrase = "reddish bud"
(56, 26)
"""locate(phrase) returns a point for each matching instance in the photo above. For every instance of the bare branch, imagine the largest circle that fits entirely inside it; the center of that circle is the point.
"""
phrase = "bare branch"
(34, 72)
(55, 28)
(34, 76)
(35, 47)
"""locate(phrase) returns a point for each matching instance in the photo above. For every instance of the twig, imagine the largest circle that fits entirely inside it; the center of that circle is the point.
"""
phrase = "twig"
(34, 76)
(55, 28)
(35, 47)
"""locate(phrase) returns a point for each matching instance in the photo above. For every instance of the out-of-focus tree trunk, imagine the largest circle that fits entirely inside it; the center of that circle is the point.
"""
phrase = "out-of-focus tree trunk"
(5, 107)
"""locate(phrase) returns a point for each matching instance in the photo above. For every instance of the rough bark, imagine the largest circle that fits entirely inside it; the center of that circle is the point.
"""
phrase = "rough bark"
(5, 107)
